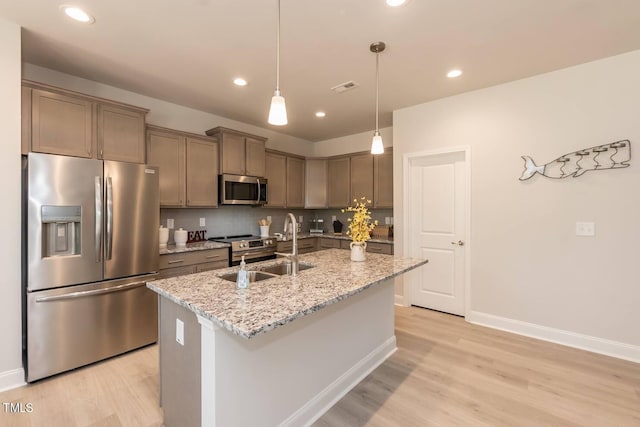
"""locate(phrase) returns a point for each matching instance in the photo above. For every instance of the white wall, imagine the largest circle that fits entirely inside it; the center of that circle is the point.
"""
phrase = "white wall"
(163, 113)
(11, 372)
(527, 265)
(351, 143)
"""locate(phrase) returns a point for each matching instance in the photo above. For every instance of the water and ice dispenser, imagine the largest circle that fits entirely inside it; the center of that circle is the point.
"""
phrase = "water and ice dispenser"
(61, 234)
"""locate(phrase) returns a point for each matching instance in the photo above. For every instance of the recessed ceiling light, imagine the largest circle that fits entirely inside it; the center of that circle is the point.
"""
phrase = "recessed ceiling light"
(76, 13)
(321, 114)
(239, 81)
(395, 3)
(454, 73)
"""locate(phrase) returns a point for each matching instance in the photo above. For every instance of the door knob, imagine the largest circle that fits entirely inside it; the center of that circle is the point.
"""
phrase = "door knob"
(459, 243)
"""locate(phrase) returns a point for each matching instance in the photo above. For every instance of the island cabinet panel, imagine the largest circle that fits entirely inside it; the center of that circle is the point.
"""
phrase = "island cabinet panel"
(295, 182)
(61, 124)
(188, 167)
(383, 180)
(338, 183)
(180, 387)
(315, 182)
(240, 153)
(166, 151)
(362, 177)
(325, 243)
(276, 174)
(201, 172)
(121, 134)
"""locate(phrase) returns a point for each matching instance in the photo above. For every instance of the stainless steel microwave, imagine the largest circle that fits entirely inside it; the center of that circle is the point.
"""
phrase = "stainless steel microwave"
(242, 190)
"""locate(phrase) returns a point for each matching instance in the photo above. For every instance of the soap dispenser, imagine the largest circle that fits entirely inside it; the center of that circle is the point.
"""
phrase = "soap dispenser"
(243, 275)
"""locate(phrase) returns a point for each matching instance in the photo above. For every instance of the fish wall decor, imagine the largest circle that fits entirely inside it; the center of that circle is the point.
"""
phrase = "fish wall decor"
(609, 156)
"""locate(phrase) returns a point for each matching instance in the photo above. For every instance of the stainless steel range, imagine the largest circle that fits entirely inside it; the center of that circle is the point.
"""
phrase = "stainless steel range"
(254, 248)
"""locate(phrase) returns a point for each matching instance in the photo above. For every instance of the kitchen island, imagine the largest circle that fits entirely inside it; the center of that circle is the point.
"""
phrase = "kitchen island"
(281, 352)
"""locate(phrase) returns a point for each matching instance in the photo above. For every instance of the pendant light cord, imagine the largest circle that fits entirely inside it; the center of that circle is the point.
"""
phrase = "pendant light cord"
(377, 86)
(278, 50)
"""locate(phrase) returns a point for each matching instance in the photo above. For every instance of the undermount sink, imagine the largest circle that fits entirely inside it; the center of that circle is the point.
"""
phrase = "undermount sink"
(254, 276)
(284, 268)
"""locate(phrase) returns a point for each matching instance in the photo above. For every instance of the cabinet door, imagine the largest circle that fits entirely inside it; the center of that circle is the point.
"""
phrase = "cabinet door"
(339, 187)
(232, 153)
(202, 172)
(254, 157)
(295, 182)
(383, 180)
(61, 124)
(120, 134)
(176, 271)
(315, 181)
(166, 150)
(328, 243)
(276, 180)
(208, 266)
(362, 177)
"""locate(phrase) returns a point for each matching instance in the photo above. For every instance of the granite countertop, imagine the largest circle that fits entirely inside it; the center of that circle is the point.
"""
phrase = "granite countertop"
(388, 241)
(189, 247)
(274, 302)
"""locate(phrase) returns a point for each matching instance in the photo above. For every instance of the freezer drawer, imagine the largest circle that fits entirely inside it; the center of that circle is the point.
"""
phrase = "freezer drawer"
(71, 327)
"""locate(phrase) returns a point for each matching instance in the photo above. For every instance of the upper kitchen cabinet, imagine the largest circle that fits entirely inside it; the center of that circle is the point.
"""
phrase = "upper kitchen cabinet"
(295, 182)
(276, 174)
(315, 183)
(240, 153)
(362, 176)
(383, 180)
(338, 187)
(58, 121)
(188, 167)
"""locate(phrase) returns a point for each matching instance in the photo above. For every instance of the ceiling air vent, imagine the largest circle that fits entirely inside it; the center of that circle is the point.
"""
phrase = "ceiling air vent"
(343, 87)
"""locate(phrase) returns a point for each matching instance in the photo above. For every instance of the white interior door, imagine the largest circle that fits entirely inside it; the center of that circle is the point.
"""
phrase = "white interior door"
(437, 230)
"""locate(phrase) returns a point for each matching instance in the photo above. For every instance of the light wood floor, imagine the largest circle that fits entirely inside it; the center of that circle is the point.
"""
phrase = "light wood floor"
(446, 372)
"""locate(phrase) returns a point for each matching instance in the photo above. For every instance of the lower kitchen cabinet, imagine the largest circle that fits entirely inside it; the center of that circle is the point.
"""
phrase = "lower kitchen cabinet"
(380, 248)
(325, 243)
(304, 246)
(178, 264)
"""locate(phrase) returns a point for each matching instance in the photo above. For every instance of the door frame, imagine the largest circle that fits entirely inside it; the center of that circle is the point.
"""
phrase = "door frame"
(406, 163)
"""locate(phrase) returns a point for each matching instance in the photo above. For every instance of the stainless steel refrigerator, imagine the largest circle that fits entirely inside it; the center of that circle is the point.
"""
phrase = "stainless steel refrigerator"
(91, 244)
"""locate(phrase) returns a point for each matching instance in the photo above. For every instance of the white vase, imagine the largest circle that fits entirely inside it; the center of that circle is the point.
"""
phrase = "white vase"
(358, 250)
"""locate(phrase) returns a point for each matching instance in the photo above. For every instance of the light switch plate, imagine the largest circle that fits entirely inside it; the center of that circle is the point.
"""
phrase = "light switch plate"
(387, 220)
(180, 331)
(585, 229)
(269, 219)
(170, 223)
(333, 218)
(203, 222)
(300, 219)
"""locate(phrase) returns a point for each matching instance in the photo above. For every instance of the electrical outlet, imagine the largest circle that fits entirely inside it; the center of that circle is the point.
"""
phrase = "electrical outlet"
(391, 220)
(203, 222)
(585, 229)
(300, 219)
(333, 218)
(387, 220)
(170, 223)
(269, 218)
(179, 331)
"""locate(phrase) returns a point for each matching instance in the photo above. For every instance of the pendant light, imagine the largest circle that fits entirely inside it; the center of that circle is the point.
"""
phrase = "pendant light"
(376, 143)
(278, 110)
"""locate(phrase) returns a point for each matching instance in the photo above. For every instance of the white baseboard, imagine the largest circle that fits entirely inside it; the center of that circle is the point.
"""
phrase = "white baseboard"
(558, 336)
(11, 379)
(399, 300)
(335, 391)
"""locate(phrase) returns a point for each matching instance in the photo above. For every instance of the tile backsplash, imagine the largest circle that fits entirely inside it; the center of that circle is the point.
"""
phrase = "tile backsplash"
(233, 220)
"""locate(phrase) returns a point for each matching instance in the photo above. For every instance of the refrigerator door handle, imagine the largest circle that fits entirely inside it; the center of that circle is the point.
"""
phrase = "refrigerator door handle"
(82, 294)
(98, 218)
(109, 236)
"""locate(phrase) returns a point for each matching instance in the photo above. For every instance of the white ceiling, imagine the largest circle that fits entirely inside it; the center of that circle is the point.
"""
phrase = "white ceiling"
(188, 51)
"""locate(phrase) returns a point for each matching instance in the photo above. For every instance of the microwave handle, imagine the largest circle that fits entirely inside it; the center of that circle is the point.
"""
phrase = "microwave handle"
(258, 179)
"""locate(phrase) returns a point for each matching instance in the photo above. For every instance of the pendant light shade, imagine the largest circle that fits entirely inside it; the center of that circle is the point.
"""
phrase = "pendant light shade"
(278, 109)
(377, 146)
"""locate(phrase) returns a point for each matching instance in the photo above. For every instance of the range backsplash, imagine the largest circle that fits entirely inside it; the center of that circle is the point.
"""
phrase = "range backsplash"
(232, 220)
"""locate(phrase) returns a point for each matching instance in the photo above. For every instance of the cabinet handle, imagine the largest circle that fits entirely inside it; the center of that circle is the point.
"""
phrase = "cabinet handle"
(175, 261)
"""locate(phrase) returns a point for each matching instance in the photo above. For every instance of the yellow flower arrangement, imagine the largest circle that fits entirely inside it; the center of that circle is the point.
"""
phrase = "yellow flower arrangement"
(360, 225)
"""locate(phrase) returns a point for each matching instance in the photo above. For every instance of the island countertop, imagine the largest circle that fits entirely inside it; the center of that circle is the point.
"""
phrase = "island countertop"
(274, 302)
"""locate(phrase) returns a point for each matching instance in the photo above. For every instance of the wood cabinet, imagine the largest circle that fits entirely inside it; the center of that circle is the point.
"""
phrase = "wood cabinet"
(188, 167)
(361, 173)
(58, 121)
(383, 180)
(338, 188)
(315, 182)
(276, 174)
(178, 264)
(240, 153)
(304, 246)
(295, 182)
(326, 243)
(380, 248)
